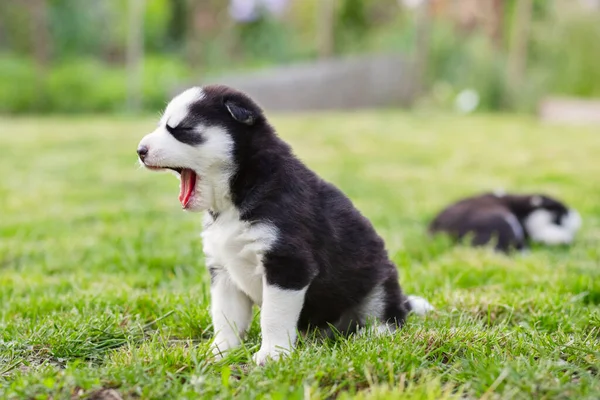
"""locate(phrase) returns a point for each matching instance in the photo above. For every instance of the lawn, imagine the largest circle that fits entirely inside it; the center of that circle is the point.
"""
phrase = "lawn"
(102, 284)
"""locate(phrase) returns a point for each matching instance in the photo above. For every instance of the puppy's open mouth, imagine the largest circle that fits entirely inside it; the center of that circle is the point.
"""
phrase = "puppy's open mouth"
(187, 187)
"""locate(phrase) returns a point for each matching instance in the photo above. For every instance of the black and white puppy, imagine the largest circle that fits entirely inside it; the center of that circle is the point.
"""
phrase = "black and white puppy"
(509, 220)
(275, 234)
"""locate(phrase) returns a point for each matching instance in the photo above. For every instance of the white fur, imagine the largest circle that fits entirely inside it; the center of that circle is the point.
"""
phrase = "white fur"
(572, 221)
(419, 305)
(231, 313)
(235, 248)
(515, 226)
(178, 108)
(278, 321)
(212, 161)
(541, 228)
(238, 248)
(369, 311)
(373, 306)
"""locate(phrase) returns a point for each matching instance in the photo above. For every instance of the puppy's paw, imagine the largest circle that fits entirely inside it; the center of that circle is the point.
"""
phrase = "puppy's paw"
(268, 353)
(218, 352)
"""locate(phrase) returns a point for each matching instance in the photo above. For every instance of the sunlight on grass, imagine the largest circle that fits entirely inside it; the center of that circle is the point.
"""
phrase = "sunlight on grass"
(103, 286)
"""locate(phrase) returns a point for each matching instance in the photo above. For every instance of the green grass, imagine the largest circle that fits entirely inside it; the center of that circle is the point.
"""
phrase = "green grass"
(102, 283)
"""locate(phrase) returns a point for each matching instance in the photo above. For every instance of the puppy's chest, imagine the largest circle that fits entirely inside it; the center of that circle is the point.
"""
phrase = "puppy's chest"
(237, 247)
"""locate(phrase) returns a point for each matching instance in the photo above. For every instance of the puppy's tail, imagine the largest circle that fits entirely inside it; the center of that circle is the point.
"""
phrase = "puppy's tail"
(419, 305)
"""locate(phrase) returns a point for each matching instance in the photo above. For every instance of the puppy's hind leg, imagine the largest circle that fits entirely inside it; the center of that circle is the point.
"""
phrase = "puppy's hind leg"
(385, 308)
(398, 305)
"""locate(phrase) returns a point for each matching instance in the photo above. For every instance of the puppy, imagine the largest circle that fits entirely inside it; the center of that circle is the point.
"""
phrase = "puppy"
(508, 220)
(275, 234)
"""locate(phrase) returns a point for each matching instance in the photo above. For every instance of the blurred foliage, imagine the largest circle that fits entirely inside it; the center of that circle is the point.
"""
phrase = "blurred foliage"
(351, 25)
(87, 40)
(459, 62)
(82, 85)
(563, 59)
(567, 53)
(265, 38)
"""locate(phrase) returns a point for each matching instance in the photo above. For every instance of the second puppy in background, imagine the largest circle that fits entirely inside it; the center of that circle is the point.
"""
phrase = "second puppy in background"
(508, 221)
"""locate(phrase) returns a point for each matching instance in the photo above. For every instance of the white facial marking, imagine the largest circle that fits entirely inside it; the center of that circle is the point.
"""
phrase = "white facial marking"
(231, 313)
(279, 315)
(179, 107)
(542, 229)
(515, 226)
(212, 160)
(419, 305)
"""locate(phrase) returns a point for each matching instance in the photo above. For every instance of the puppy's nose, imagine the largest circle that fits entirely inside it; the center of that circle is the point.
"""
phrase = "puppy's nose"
(142, 152)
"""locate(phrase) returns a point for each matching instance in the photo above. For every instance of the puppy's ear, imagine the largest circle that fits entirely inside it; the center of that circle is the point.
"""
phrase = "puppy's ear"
(240, 113)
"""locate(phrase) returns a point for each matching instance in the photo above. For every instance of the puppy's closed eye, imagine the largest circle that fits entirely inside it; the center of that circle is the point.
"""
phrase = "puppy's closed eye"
(178, 128)
(185, 134)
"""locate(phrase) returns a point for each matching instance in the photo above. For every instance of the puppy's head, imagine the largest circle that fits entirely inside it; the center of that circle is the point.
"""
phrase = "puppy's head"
(546, 220)
(196, 139)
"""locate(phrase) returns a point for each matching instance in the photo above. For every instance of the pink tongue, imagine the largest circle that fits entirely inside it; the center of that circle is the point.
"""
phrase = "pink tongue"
(188, 185)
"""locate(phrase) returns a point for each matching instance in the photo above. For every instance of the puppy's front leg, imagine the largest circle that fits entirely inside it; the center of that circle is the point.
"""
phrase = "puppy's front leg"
(279, 315)
(231, 312)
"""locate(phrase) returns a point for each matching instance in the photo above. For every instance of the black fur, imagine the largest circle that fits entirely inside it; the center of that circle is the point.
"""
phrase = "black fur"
(239, 113)
(323, 239)
(483, 219)
(185, 133)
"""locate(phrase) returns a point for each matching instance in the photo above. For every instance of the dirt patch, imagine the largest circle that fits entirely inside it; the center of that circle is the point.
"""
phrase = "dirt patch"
(105, 394)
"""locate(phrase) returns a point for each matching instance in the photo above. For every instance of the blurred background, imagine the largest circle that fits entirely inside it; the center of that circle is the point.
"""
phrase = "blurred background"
(130, 56)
